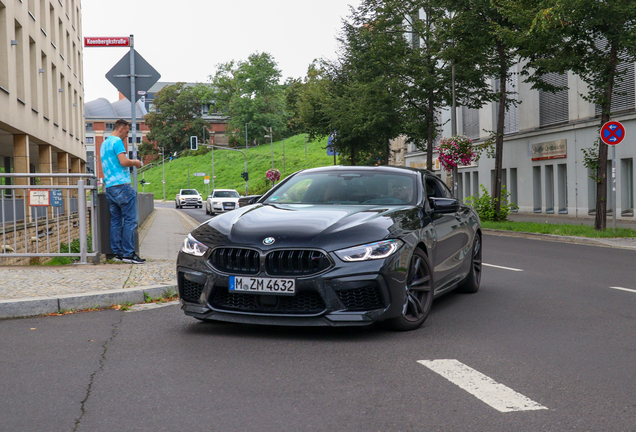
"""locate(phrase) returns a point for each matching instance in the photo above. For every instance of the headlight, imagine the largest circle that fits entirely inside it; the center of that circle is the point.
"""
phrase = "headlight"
(194, 247)
(370, 251)
(217, 203)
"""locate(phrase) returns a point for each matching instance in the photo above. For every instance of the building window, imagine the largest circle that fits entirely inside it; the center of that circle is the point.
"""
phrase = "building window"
(549, 189)
(536, 188)
(563, 188)
(514, 198)
(553, 107)
(467, 190)
(476, 184)
(627, 187)
(90, 140)
(89, 127)
(110, 126)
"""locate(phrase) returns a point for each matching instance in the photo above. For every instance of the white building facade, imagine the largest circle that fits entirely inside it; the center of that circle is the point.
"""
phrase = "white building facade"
(544, 138)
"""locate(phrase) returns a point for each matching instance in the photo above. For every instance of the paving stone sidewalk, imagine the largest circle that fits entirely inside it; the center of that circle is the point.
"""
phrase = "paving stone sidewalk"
(25, 289)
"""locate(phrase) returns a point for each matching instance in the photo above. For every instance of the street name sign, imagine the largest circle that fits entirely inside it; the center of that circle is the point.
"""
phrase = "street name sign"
(199, 174)
(612, 133)
(106, 41)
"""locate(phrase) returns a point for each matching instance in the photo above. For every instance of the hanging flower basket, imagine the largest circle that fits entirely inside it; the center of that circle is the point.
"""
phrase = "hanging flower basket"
(455, 151)
(273, 175)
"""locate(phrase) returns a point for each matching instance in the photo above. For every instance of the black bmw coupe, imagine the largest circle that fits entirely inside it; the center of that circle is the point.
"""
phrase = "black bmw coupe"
(334, 246)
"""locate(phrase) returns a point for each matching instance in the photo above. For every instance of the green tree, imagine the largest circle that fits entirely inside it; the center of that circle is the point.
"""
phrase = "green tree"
(249, 93)
(481, 30)
(592, 39)
(175, 118)
(410, 43)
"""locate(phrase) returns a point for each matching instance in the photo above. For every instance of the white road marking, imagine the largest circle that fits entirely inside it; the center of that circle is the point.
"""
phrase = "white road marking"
(624, 289)
(500, 267)
(145, 306)
(496, 395)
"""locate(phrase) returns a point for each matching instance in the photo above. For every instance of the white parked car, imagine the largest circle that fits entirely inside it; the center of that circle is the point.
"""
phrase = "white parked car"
(188, 197)
(221, 201)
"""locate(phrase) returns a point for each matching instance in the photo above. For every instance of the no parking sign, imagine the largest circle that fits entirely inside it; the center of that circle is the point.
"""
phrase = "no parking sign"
(612, 133)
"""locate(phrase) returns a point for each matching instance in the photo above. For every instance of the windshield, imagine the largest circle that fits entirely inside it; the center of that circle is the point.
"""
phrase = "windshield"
(189, 192)
(355, 187)
(226, 194)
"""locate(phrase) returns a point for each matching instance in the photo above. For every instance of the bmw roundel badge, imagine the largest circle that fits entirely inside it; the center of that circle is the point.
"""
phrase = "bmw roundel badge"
(269, 241)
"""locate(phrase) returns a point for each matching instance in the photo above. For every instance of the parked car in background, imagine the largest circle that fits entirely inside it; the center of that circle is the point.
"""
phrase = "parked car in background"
(247, 200)
(221, 201)
(188, 197)
(334, 246)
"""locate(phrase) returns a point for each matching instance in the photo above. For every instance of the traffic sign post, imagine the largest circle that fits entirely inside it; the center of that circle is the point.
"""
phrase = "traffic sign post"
(132, 76)
(612, 134)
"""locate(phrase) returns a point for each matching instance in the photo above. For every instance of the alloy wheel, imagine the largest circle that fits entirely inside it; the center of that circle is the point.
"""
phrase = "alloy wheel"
(419, 290)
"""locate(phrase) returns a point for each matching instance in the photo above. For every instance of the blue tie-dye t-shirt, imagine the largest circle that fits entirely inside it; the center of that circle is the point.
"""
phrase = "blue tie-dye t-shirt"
(114, 173)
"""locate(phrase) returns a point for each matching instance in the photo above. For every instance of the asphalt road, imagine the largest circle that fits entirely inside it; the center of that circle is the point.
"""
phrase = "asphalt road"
(548, 327)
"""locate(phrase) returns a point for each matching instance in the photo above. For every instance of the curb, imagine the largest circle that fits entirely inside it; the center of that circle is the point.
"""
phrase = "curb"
(557, 238)
(36, 306)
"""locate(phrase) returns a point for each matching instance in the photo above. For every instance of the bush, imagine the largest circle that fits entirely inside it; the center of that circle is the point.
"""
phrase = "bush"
(485, 205)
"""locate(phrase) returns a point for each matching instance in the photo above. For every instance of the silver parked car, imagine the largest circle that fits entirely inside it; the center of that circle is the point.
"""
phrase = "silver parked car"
(221, 201)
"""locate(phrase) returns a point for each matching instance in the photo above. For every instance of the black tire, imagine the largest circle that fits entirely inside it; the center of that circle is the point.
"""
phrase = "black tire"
(176, 205)
(207, 211)
(418, 298)
(470, 284)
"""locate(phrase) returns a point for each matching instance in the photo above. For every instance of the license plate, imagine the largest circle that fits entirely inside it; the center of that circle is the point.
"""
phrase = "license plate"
(257, 285)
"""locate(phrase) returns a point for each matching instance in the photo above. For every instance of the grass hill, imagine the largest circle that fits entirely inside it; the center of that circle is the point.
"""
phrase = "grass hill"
(228, 166)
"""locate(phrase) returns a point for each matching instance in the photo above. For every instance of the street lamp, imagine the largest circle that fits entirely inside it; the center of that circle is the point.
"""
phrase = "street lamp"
(271, 142)
(212, 146)
(163, 168)
(246, 135)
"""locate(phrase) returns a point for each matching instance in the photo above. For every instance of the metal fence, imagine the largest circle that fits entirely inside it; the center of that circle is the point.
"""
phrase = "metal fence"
(35, 217)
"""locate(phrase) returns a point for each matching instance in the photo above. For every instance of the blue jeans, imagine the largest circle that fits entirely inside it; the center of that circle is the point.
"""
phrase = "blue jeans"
(122, 202)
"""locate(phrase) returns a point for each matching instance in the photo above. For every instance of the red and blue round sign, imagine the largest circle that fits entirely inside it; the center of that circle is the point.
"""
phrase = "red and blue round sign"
(612, 133)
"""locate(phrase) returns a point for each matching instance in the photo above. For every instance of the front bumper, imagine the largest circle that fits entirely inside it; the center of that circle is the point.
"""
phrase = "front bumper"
(337, 297)
(224, 207)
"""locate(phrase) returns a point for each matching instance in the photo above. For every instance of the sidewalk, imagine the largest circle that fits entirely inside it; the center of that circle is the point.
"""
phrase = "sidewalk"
(38, 290)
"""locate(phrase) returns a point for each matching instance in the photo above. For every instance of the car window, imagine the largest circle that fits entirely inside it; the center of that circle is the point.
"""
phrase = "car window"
(436, 189)
(189, 192)
(226, 194)
(348, 188)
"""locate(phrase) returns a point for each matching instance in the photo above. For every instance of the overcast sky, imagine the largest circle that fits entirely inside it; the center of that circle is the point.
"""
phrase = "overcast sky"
(185, 39)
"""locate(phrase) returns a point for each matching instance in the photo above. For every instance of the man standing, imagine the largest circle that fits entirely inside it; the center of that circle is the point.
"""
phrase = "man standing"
(122, 198)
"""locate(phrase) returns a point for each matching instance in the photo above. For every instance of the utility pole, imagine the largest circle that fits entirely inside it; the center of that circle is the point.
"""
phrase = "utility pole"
(188, 176)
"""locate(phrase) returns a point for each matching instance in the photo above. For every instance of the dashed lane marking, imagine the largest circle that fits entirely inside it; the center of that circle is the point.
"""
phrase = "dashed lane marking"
(624, 289)
(487, 390)
(146, 306)
(500, 267)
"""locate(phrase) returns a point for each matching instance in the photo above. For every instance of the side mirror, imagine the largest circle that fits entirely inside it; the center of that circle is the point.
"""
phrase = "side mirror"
(253, 200)
(444, 205)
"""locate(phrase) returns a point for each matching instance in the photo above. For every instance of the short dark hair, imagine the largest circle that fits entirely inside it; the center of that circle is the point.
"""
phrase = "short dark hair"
(120, 123)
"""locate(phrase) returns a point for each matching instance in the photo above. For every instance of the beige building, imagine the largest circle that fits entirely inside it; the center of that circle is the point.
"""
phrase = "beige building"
(41, 87)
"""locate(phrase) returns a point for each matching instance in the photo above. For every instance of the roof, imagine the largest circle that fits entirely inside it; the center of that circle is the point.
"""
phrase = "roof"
(102, 109)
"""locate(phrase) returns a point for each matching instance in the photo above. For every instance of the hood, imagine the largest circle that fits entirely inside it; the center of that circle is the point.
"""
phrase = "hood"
(328, 227)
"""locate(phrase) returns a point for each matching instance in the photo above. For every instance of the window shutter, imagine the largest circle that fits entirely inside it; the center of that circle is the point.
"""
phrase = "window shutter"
(511, 120)
(553, 107)
(624, 94)
(470, 121)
